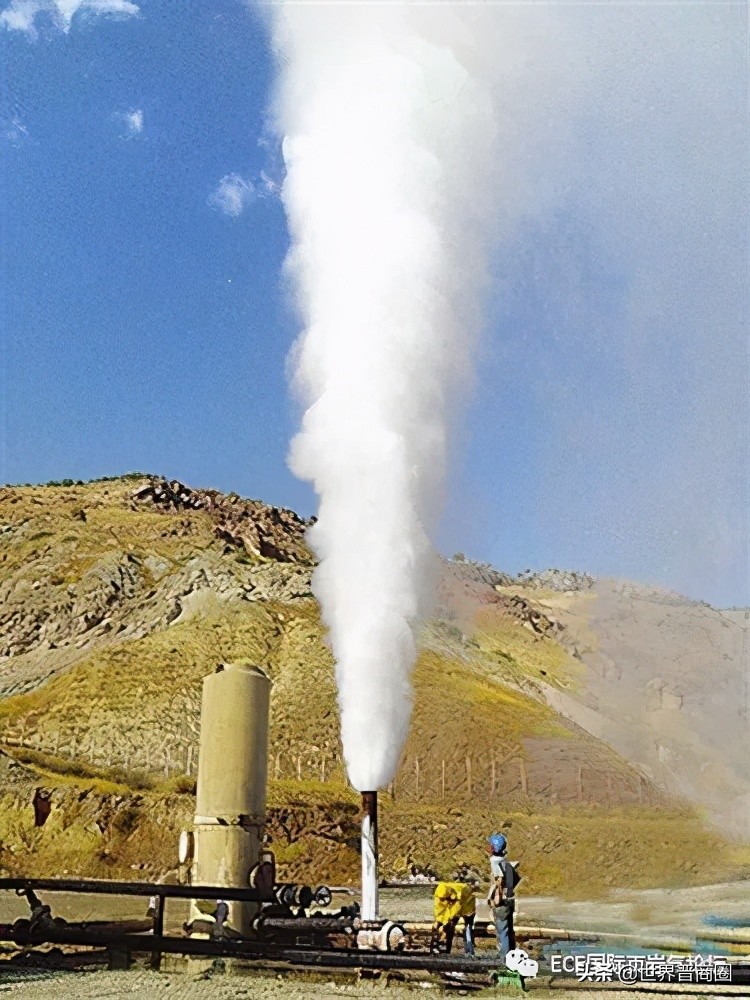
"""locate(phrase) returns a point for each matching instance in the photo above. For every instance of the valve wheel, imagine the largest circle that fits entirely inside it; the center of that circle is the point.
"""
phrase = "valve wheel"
(323, 896)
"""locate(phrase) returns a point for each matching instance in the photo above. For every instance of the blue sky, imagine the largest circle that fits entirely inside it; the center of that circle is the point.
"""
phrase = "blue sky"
(145, 324)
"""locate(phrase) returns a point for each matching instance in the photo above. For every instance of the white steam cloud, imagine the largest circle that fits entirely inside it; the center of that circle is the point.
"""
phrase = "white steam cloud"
(390, 147)
(414, 137)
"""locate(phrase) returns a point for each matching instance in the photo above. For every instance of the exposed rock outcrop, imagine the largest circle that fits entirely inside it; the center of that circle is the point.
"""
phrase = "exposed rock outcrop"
(262, 531)
(555, 579)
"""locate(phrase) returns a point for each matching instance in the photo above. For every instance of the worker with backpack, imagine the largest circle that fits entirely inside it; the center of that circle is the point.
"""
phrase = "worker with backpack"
(503, 881)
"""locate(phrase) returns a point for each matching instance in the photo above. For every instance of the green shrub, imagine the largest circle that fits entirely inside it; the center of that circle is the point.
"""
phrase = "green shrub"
(137, 780)
(180, 784)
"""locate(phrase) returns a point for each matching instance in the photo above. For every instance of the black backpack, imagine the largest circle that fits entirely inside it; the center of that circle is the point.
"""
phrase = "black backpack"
(511, 878)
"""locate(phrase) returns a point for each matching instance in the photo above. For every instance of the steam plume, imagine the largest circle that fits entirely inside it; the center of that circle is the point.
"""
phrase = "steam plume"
(389, 148)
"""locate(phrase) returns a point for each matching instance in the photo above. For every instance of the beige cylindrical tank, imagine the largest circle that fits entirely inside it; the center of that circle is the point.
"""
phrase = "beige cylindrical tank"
(232, 775)
(233, 758)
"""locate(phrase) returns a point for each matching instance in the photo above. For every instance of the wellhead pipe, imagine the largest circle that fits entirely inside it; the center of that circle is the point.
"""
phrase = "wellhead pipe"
(370, 902)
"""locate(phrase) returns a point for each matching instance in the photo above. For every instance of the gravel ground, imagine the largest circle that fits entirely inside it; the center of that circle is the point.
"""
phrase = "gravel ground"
(145, 985)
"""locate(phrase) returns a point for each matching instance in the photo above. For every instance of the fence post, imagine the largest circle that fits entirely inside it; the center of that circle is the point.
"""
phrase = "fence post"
(416, 773)
(579, 783)
(442, 781)
(524, 776)
(299, 767)
(323, 768)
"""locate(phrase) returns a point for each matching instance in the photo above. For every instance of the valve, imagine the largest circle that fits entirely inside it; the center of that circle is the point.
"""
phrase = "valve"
(322, 896)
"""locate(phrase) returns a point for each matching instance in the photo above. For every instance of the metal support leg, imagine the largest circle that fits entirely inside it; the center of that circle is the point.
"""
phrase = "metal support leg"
(118, 958)
(158, 930)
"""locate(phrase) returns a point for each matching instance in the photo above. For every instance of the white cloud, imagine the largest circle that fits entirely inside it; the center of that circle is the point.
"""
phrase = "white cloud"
(232, 195)
(21, 15)
(15, 132)
(271, 188)
(133, 121)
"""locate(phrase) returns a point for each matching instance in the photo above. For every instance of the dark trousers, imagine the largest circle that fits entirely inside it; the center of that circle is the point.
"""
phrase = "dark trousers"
(503, 917)
(469, 935)
(448, 932)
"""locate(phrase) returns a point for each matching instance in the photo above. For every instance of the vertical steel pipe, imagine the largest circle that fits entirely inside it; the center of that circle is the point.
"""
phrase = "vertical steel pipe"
(370, 902)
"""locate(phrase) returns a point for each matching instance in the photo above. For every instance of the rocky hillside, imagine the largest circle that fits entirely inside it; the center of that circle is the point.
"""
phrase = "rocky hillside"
(117, 597)
(666, 682)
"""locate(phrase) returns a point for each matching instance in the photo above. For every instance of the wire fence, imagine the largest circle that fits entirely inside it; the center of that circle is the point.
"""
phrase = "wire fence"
(431, 778)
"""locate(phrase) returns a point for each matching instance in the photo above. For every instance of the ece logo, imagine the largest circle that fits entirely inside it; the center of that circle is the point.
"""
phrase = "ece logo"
(517, 960)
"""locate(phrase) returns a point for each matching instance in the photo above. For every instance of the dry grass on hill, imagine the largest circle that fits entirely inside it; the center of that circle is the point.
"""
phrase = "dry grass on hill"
(113, 612)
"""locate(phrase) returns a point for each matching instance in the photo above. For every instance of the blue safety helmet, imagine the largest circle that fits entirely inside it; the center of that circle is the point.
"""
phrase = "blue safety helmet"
(498, 843)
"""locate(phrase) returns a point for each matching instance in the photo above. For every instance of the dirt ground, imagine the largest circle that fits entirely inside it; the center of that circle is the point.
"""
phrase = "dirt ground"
(147, 985)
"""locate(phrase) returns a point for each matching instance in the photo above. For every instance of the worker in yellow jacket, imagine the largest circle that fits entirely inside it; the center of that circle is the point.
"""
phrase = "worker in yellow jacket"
(453, 901)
